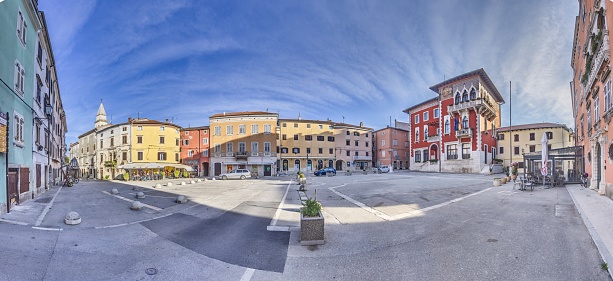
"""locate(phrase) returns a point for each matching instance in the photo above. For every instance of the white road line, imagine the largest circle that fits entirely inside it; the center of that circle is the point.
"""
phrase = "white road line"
(403, 215)
(46, 210)
(248, 274)
(360, 204)
(47, 228)
(129, 200)
(135, 222)
(273, 223)
(13, 222)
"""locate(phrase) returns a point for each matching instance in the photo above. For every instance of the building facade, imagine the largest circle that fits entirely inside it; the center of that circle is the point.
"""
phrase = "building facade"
(591, 91)
(154, 143)
(455, 132)
(25, 98)
(391, 148)
(517, 140)
(195, 149)
(306, 145)
(243, 140)
(353, 147)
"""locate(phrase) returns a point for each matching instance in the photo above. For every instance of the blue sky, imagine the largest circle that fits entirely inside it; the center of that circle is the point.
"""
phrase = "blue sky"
(364, 60)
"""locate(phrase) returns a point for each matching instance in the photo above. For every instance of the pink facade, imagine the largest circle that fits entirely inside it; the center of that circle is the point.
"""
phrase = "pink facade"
(391, 147)
(591, 91)
(454, 132)
(195, 149)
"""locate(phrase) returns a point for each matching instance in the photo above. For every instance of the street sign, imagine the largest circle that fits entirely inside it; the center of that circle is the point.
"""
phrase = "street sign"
(2, 138)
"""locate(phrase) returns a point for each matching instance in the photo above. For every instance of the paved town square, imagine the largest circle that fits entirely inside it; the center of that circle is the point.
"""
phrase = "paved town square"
(397, 226)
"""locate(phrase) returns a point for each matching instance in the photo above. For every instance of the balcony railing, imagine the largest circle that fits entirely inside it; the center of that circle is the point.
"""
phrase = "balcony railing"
(362, 158)
(471, 104)
(601, 54)
(466, 132)
(242, 154)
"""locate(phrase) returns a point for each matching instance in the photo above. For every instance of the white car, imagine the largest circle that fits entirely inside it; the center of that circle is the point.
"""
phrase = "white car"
(384, 169)
(236, 174)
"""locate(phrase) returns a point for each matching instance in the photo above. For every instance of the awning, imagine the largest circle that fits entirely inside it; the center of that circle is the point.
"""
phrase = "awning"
(182, 166)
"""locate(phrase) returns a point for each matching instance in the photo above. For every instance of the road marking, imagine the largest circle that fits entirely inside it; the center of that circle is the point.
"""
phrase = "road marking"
(248, 274)
(360, 204)
(130, 200)
(13, 222)
(46, 210)
(47, 228)
(403, 215)
(273, 223)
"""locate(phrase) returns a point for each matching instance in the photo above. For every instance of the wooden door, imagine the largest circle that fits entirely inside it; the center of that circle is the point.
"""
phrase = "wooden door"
(12, 188)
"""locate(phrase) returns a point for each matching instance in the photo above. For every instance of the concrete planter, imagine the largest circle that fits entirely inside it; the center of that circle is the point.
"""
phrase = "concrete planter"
(364, 172)
(347, 173)
(311, 230)
(496, 182)
(503, 180)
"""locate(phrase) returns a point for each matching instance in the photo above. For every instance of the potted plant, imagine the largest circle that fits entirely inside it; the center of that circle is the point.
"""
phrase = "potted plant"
(311, 223)
(490, 170)
(497, 181)
(514, 170)
(347, 173)
(126, 176)
(176, 174)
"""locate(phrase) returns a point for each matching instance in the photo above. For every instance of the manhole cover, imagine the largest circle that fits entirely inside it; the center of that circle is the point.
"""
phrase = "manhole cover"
(151, 271)
(492, 240)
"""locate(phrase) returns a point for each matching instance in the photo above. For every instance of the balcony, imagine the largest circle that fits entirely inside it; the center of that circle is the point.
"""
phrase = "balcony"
(433, 138)
(479, 105)
(601, 54)
(242, 155)
(362, 158)
(467, 132)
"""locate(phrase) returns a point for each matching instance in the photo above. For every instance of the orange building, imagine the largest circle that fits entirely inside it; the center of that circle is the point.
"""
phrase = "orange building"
(591, 91)
(195, 149)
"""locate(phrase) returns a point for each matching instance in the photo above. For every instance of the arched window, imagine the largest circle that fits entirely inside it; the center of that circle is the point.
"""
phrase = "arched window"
(473, 94)
(425, 133)
(465, 122)
(465, 96)
(457, 98)
(434, 152)
(447, 126)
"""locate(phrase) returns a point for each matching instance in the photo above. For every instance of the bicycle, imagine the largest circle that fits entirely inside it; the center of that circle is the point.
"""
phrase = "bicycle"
(584, 180)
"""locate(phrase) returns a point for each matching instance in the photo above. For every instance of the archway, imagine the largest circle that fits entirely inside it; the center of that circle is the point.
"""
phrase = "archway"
(598, 165)
(320, 164)
(433, 152)
(339, 165)
(285, 164)
(297, 165)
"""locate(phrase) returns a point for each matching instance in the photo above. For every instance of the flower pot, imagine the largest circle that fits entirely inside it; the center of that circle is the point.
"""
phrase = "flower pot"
(513, 177)
(503, 180)
(311, 230)
(496, 182)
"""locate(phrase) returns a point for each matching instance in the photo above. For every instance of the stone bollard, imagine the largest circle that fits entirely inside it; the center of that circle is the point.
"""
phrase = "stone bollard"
(135, 188)
(72, 218)
(181, 199)
(199, 180)
(137, 206)
(213, 179)
(192, 182)
(182, 183)
(169, 184)
(158, 186)
(140, 195)
(114, 191)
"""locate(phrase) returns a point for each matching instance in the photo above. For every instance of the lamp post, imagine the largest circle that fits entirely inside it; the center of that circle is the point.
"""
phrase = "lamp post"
(280, 165)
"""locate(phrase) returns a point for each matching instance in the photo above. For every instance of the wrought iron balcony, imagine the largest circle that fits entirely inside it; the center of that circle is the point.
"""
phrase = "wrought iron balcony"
(466, 132)
(242, 155)
(479, 105)
(601, 54)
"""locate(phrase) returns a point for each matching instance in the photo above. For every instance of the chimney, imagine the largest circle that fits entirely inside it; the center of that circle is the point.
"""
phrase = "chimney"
(361, 124)
(129, 119)
(166, 120)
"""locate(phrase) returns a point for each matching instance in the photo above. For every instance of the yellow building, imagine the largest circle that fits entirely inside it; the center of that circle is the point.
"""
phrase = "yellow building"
(517, 140)
(155, 146)
(306, 145)
(243, 140)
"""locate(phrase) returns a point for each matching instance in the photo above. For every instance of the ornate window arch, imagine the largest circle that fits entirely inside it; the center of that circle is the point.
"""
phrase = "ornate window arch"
(465, 96)
(473, 94)
(457, 98)
(465, 122)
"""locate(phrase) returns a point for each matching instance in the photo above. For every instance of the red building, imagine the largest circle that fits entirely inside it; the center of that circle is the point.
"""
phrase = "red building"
(455, 132)
(195, 149)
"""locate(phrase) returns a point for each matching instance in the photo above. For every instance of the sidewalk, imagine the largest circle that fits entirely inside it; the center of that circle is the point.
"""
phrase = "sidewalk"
(596, 211)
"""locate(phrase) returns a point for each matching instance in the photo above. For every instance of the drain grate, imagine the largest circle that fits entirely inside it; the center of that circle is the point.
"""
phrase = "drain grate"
(151, 271)
(43, 200)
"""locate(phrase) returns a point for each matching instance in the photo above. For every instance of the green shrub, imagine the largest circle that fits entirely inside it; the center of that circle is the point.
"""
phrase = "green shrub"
(311, 208)
(126, 176)
(107, 177)
(176, 173)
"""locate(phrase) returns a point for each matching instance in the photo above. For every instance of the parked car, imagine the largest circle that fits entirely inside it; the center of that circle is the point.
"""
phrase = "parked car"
(236, 174)
(384, 169)
(324, 171)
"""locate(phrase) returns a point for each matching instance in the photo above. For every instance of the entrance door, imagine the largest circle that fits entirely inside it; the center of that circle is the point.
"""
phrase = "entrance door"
(267, 170)
(217, 169)
(598, 165)
(13, 191)
(205, 169)
(339, 165)
(297, 165)
(24, 180)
